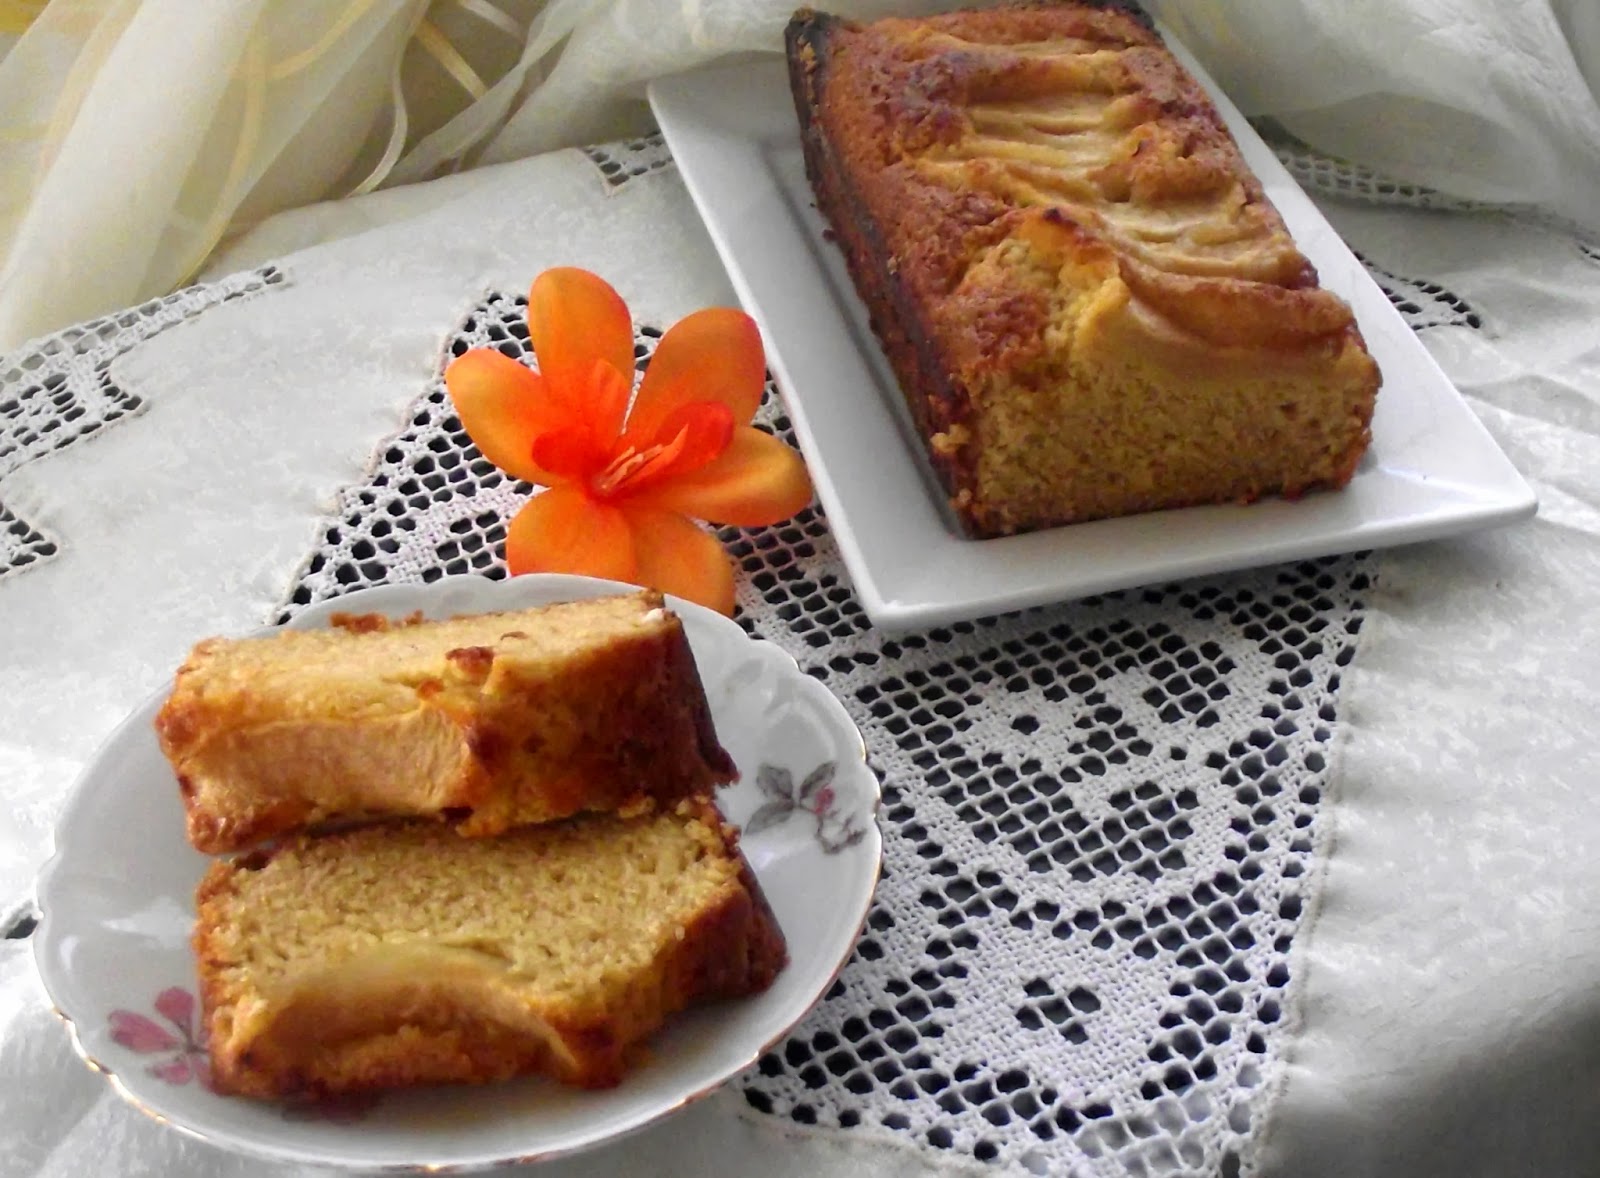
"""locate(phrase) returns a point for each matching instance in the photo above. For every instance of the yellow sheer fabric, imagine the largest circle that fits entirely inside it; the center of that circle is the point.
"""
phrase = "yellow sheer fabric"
(136, 134)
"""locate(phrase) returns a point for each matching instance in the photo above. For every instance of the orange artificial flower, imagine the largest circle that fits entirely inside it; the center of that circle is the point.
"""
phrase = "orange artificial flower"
(625, 483)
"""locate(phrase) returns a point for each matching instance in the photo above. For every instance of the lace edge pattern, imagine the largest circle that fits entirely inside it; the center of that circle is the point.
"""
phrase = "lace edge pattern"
(628, 159)
(59, 390)
(1424, 304)
(1331, 176)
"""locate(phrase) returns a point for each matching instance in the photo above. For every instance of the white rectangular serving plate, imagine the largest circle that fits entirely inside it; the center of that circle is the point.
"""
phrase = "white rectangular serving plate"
(1432, 469)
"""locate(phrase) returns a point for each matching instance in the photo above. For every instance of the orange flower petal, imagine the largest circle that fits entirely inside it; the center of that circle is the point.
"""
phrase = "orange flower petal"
(677, 557)
(503, 405)
(706, 428)
(712, 355)
(758, 480)
(569, 454)
(562, 530)
(607, 404)
(574, 319)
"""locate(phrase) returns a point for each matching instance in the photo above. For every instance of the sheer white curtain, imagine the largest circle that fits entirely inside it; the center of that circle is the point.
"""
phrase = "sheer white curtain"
(1478, 98)
(136, 135)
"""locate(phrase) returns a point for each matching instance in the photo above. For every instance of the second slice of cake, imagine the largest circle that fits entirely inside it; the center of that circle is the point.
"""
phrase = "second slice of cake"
(490, 721)
(402, 954)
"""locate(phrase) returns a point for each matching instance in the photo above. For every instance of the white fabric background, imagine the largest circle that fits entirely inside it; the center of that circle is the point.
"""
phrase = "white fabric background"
(1449, 1006)
(136, 134)
(1488, 101)
(1449, 1010)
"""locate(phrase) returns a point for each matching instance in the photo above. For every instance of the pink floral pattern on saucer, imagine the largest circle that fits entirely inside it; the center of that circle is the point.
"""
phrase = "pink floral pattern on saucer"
(814, 796)
(185, 1059)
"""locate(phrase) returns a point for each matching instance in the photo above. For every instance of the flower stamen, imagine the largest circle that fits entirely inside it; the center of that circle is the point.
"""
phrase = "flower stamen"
(621, 468)
(636, 466)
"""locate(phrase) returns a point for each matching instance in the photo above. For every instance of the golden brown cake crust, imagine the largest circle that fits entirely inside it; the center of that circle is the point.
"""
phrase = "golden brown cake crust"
(428, 1004)
(1090, 304)
(487, 722)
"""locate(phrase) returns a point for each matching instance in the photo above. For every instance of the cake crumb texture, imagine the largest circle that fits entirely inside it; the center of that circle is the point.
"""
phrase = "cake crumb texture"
(404, 954)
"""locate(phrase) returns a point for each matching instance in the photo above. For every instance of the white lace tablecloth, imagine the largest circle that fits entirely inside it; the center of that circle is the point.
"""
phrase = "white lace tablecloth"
(1283, 872)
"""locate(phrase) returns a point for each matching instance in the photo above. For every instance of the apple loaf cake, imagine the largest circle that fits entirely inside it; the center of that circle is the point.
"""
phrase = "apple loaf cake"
(1089, 302)
(489, 722)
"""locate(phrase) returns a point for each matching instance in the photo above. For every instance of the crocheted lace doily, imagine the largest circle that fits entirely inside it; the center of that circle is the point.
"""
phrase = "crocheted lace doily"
(1100, 821)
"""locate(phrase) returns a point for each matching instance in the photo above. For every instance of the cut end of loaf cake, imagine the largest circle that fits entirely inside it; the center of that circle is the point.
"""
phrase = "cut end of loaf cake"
(403, 954)
(1090, 304)
(487, 721)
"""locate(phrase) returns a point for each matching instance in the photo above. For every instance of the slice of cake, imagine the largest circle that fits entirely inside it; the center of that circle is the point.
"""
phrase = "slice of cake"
(490, 722)
(403, 954)
(1090, 304)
